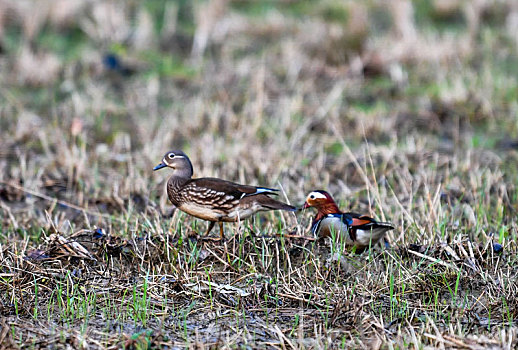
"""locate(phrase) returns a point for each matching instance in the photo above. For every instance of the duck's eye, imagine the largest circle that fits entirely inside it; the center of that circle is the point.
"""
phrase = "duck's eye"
(170, 155)
(312, 196)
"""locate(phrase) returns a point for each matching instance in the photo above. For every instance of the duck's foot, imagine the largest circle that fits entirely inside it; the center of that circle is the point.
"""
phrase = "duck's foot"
(307, 238)
(288, 235)
(213, 239)
(221, 237)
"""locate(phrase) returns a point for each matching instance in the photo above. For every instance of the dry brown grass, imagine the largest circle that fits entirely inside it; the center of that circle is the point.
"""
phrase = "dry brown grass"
(410, 118)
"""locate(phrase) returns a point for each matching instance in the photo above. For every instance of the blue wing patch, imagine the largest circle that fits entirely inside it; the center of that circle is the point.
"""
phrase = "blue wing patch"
(346, 219)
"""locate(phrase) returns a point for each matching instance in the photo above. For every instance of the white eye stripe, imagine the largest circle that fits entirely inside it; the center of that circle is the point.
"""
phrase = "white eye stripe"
(173, 156)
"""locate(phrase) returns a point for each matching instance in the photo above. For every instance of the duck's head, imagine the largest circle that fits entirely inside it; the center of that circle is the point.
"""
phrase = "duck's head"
(178, 161)
(318, 199)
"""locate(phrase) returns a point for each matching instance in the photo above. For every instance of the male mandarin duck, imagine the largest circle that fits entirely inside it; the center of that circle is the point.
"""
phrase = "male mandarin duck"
(362, 231)
(212, 199)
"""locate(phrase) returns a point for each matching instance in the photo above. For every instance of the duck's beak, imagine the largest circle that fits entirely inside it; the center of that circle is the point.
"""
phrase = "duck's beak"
(159, 166)
(306, 205)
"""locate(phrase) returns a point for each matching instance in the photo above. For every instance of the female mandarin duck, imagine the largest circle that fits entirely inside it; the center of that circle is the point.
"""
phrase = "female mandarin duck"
(362, 231)
(214, 199)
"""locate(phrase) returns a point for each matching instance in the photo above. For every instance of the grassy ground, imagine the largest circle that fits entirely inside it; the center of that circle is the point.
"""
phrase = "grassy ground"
(406, 112)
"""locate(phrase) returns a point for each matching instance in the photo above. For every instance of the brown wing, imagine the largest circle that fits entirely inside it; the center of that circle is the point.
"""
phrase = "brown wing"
(202, 193)
(216, 193)
(363, 222)
(227, 187)
(366, 222)
(267, 203)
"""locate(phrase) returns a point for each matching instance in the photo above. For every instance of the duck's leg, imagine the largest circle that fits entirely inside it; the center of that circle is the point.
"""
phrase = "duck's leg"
(211, 225)
(251, 228)
(221, 235)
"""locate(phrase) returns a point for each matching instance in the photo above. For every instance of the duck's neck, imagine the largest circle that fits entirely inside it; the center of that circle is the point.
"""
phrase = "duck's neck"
(326, 209)
(184, 172)
(176, 182)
